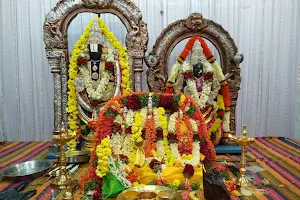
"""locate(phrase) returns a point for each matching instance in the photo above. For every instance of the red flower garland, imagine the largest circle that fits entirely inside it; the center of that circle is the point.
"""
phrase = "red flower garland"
(133, 102)
(225, 93)
(166, 101)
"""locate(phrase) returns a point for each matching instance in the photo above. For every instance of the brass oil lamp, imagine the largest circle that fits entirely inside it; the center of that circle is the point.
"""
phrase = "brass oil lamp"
(64, 180)
(244, 141)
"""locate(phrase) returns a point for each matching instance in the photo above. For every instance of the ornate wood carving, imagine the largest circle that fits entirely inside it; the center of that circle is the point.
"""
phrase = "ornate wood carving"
(55, 38)
(195, 24)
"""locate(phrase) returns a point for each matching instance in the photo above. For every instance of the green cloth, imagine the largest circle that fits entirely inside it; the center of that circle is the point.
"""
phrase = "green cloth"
(111, 187)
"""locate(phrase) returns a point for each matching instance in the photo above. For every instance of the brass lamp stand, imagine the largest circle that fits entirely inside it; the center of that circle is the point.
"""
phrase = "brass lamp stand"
(244, 141)
(64, 180)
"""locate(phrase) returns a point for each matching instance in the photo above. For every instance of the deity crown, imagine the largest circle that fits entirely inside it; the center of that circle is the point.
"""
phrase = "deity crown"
(96, 36)
(197, 53)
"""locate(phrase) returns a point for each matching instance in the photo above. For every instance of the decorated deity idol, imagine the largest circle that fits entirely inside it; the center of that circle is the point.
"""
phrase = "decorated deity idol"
(98, 71)
(96, 81)
(203, 81)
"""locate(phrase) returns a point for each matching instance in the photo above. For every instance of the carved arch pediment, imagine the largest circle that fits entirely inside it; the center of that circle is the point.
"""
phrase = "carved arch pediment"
(195, 24)
(56, 43)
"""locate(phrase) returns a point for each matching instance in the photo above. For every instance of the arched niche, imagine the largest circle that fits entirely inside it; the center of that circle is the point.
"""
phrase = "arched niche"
(56, 42)
(195, 24)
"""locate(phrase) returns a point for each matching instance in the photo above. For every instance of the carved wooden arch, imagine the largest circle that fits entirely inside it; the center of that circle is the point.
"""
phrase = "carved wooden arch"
(195, 24)
(55, 38)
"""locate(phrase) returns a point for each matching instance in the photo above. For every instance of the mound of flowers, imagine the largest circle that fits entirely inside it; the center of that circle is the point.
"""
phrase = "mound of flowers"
(148, 138)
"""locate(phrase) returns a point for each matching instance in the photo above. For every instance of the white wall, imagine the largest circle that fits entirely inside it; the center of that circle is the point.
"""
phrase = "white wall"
(265, 31)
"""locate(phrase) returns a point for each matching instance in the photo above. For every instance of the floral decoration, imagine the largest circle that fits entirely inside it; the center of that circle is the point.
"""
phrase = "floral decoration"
(103, 153)
(108, 124)
(76, 61)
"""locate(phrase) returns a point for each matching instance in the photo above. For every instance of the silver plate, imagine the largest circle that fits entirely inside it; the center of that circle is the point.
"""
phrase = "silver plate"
(33, 168)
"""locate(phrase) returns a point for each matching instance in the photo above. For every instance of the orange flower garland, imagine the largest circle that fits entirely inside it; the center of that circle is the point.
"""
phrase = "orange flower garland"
(150, 135)
(184, 135)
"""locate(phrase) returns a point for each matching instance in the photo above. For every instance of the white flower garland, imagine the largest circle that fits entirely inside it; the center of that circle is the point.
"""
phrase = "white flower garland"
(172, 123)
(126, 145)
(115, 141)
(194, 126)
(219, 72)
(195, 160)
(144, 113)
(119, 174)
(117, 145)
(160, 149)
(156, 118)
(92, 93)
(215, 89)
(176, 77)
(226, 121)
(129, 118)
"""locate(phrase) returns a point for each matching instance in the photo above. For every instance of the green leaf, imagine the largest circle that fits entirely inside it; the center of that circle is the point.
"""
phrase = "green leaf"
(144, 100)
(155, 100)
(176, 100)
(110, 113)
(191, 111)
(151, 182)
(224, 175)
(195, 186)
(123, 100)
(90, 186)
(202, 139)
(181, 186)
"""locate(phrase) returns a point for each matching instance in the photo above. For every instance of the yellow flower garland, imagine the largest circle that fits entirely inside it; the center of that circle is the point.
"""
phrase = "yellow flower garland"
(123, 56)
(78, 49)
(164, 125)
(182, 99)
(217, 121)
(136, 136)
(103, 152)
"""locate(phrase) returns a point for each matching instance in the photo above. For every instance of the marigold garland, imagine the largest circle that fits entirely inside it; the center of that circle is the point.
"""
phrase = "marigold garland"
(103, 152)
(136, 136)
(150, 136)
(164, 125)
(73, 69)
